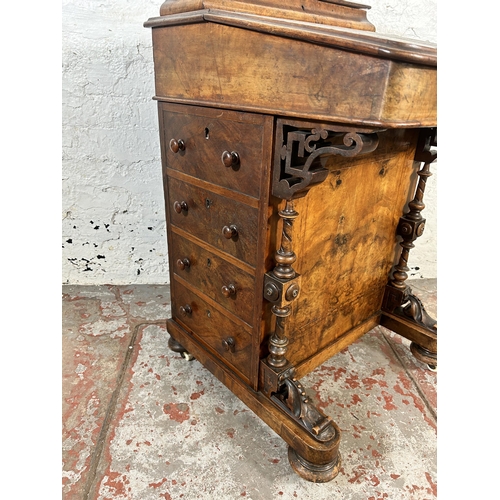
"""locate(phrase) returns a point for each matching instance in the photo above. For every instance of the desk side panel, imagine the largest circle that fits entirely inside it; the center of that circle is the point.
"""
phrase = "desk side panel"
(345, 241)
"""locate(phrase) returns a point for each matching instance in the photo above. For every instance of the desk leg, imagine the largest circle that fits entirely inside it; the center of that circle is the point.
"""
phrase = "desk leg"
(277, 381)
(402, 311)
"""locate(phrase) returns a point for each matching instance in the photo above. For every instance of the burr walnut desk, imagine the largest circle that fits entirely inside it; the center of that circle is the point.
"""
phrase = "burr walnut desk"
(296, 144)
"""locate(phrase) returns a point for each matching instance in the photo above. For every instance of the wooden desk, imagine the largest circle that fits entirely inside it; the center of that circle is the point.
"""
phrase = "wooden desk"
(296, 144)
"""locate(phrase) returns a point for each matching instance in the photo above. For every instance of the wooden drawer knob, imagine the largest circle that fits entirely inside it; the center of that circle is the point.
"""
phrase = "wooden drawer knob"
(229, 344)
(177, 145)
(180, 206)
(228, 290)
(185, 310)
(230, 159)
(230, 231)
(183, 263)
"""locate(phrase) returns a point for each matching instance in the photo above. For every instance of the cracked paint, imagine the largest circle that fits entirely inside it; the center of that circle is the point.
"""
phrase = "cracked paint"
(177, 432)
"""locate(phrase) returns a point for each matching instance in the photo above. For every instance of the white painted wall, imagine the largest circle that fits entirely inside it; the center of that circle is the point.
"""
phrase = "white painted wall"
(113, 212)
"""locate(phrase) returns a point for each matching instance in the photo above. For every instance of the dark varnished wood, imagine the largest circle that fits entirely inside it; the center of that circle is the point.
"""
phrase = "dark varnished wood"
(213, 326)
(209, 272)
(316, 452)
(208, 214)
(212, 138)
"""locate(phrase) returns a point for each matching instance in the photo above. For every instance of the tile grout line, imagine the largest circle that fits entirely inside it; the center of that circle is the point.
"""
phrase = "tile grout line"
(103, 433)
(412, 378)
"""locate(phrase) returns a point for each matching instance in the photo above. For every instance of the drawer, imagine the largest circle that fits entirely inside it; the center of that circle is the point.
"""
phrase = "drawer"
(221, 222)
(223, 282)
(208, 136)
(229, 340)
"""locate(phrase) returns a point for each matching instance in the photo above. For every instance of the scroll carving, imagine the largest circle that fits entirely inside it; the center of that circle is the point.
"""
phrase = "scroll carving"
(300, 164)
(293, 399)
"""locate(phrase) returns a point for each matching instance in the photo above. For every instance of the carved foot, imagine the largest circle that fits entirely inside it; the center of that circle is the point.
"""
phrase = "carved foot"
(176, 347)
(415, 310)
(305, 459)
(316, 473)
(424, 355)
(405, 314)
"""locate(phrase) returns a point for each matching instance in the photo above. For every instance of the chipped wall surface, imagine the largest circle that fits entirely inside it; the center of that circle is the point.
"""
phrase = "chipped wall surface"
(113, 221)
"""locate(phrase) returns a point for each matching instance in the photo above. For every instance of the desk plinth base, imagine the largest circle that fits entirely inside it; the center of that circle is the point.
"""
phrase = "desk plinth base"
(312, 459)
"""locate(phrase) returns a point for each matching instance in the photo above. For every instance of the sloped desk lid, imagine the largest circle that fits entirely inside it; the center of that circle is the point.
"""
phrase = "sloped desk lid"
(387, 80)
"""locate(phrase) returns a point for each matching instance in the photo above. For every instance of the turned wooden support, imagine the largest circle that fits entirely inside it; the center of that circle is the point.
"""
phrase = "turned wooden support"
(285, 256)
(411, 225)
(403, 312)
(282, 287)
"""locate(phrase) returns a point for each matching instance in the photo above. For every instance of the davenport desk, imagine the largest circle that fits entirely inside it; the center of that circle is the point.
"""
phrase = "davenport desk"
(296, 145)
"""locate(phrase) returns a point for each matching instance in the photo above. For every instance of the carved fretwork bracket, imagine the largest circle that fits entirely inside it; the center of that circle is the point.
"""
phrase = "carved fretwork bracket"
(399, 299)
(299, 164)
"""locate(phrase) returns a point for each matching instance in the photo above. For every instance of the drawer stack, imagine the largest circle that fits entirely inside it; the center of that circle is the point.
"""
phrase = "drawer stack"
(216, 170)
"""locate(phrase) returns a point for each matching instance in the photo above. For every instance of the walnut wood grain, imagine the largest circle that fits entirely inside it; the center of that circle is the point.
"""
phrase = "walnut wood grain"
(210, 325)
(235, 79)
(206, 135)
(345, 242)
(223, 67)
(337, 13)
(208, 213)
(209, 273)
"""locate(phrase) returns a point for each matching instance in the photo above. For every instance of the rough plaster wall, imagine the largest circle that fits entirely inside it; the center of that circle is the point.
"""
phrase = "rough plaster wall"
(113, 220)
(113, 212)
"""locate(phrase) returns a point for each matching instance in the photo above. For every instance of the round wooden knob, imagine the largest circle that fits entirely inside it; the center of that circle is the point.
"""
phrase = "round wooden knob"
(228, 290)
(177, 145)
(230, 231)
(229, 344)
(179, 206)
(183, 263)
(230, 159)
(185, 310)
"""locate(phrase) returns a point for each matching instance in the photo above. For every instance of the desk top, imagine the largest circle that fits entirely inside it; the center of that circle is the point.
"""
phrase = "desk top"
(313, 59)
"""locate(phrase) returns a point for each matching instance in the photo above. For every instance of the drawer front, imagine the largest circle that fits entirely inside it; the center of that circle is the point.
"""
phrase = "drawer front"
(228, 285)
(230, 341)
(221, 222)
(209, 137)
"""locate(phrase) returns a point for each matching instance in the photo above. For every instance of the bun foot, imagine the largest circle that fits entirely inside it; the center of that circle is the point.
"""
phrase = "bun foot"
(176, 347)
(425, 356)
(316, 473)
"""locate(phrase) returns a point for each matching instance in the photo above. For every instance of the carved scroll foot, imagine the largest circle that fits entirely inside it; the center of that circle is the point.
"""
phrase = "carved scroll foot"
(176, 347)
(316, 473)
(314, 451)
(415, 311)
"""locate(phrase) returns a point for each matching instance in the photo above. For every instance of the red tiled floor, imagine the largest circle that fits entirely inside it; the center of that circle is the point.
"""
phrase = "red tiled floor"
(142, 423)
